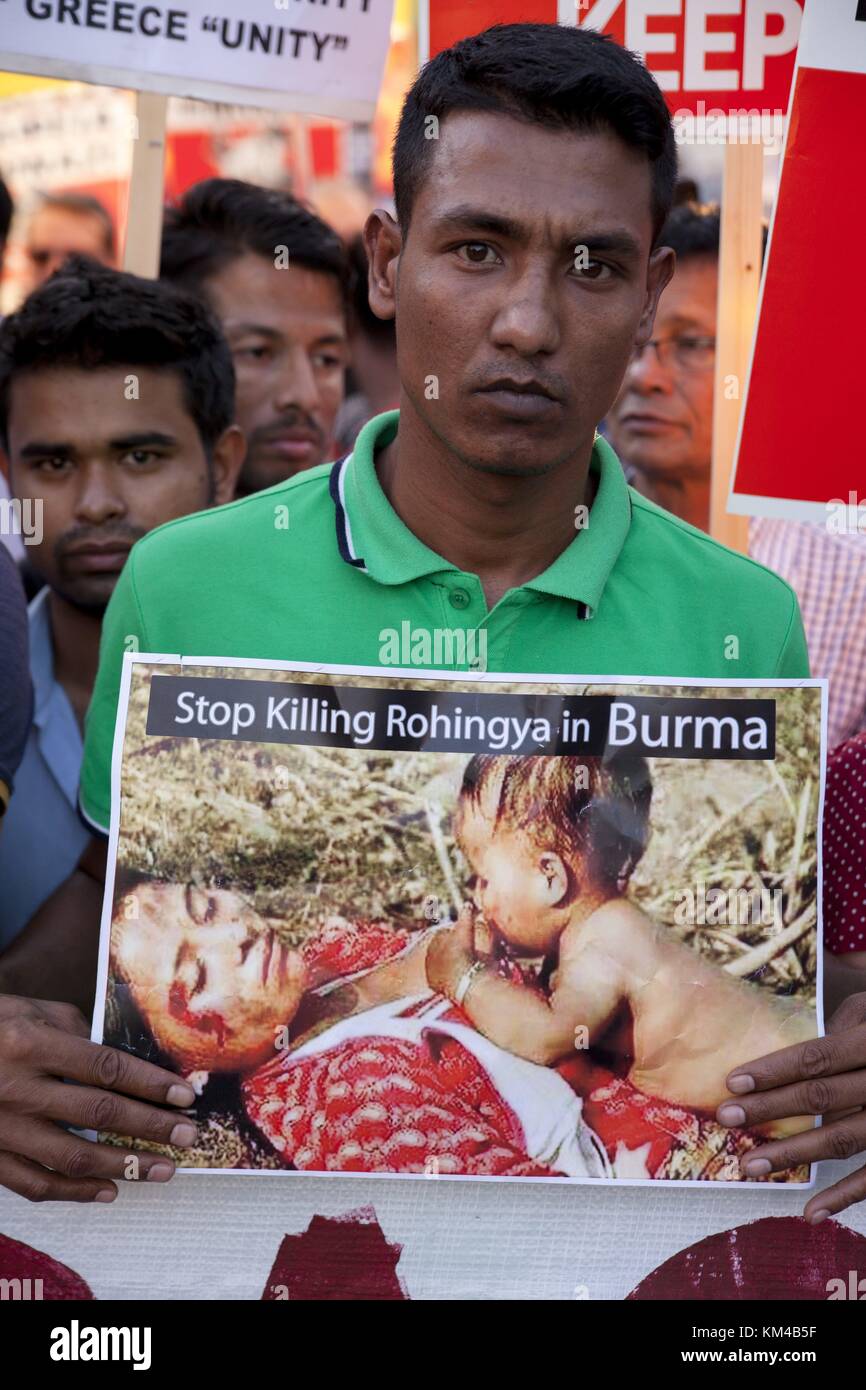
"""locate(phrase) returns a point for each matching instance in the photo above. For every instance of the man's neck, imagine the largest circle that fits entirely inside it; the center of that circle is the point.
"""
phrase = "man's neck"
(687, 497)
(75, 639)
(505, 529)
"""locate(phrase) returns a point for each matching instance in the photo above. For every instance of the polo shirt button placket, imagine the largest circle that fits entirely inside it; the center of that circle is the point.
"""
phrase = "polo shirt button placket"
(459, 598)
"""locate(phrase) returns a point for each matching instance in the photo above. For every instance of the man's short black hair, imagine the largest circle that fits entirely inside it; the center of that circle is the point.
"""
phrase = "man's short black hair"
(548, 74)
(83, 205)
(220, 219)
(7, 208)
(694, 229)
(89, 316)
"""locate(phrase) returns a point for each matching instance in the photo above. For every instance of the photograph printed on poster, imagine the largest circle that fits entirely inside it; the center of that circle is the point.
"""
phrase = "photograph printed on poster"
(461, 926)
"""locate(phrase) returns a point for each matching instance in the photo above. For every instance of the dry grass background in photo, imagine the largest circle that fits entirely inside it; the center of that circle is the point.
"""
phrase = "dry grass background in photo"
(305, 832)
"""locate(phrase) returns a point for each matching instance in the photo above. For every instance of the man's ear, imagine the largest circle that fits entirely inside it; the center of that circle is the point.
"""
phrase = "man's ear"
(384, 242)
(660, 269)
(556, 877)
(226, 460)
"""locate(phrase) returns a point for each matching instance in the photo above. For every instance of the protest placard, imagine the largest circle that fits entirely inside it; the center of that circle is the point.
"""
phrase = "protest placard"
(326, 61)
(795, 457)
(474, 927)
(281, 55)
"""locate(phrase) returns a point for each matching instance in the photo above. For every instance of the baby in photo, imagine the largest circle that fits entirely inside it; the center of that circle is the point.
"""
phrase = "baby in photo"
(552, 843)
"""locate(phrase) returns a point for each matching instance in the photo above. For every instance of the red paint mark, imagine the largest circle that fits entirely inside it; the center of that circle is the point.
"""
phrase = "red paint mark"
(59, 1282)
(208, 1021)
(337, 1258)
(779, 1257)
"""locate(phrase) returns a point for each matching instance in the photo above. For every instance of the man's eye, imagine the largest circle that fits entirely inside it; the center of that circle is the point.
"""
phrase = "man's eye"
(591, 270)
(141, 457)
(52, 465)
(478, 253)
(329, 360)
(252, 354)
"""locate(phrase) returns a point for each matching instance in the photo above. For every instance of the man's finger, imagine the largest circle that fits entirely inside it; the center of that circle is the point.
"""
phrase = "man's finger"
(110, 1113)
(75, 1158)
(76, 1059)
(37, 1184)
(821, 1096)
(819, 1057)
(837, 1141)
(834, 1199)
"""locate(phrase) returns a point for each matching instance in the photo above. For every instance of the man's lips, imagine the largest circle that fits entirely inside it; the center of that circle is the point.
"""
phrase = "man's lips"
(650, 424)
(108, 558)
(293, 444)
(524, 400)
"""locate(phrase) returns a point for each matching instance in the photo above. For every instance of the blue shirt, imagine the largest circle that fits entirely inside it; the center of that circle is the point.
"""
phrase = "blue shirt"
(42, 837)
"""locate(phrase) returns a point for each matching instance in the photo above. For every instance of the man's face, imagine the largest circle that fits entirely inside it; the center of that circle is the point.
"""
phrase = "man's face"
(104, 470)
(520, 288)
(662, 421)
(54, 234)
(287, 332)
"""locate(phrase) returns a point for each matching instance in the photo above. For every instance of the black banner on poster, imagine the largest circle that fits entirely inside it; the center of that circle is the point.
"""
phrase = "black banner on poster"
(479, 721)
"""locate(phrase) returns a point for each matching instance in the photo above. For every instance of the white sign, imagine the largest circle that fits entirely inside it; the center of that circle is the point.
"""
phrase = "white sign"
(326, 58)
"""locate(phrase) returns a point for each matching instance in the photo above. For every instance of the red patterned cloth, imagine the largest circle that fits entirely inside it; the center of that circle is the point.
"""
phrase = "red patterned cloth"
(341, 947)
(385, 1105)
(844, 848)
(678, 1143)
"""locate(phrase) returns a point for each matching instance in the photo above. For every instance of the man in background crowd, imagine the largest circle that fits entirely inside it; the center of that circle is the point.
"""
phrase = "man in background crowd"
(661, 424)
(375, 382)
(67, 224)
(9, 533)
(16, 695)
(150, 438)
(661, 427)
(7, 209)
(276, 276)
(828, 573)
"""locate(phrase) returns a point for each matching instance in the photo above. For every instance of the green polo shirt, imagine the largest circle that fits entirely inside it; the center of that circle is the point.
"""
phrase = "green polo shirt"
(322, 569)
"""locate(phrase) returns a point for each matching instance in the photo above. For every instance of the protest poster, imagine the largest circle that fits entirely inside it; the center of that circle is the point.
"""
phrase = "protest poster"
(327, 60)
(292, 852)
(794, 457)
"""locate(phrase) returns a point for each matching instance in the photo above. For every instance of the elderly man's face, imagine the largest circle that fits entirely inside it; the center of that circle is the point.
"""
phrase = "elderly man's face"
(662, 421)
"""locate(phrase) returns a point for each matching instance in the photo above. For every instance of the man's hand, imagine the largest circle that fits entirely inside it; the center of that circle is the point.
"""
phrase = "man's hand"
(40, 1044)
(450, 953)
(826, 1076)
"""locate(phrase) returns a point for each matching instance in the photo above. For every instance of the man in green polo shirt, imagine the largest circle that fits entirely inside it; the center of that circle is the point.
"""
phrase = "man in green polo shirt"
(534, 166)
(323, 568)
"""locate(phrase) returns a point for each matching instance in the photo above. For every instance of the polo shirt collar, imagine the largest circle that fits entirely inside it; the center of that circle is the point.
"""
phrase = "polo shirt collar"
(372, 537)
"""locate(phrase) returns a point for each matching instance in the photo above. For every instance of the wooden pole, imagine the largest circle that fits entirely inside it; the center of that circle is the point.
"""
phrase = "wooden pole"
(144, 210)
(739, 280)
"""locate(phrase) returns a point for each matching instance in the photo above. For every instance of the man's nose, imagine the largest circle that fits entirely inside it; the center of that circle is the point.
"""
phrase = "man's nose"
(645, 372)
(99, 499)
(297, 387)
(528, 320)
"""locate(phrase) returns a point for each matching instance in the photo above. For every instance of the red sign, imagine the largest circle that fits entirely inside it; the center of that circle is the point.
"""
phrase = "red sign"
(450, 20)
(801, 440)
(707, 55)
